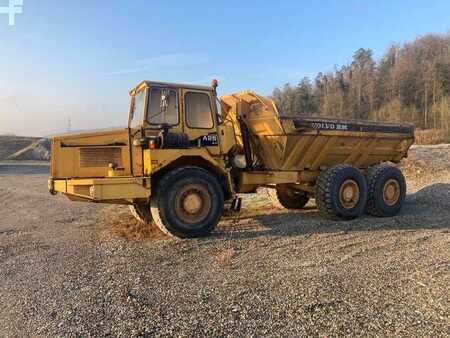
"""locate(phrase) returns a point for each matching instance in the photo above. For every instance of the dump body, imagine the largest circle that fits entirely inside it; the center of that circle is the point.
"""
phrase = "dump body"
(308, 143)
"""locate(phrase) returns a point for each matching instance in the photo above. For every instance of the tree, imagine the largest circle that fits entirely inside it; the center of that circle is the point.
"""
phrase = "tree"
(304, 98)
(409, 83)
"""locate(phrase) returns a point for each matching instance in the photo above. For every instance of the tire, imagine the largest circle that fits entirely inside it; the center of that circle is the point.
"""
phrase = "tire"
(142, 213)
(188, 203)
(291, 198)
(386, 191)
(341, 192)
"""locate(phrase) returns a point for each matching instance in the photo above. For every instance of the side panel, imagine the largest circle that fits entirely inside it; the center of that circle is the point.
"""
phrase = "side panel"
(89, 155)
(227, 137)
(312, 151)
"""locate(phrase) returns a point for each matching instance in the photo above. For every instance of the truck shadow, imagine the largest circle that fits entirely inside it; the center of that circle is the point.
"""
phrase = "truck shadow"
(429, 208)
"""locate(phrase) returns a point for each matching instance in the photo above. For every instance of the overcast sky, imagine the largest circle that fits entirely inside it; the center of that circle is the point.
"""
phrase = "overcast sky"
(78, 59)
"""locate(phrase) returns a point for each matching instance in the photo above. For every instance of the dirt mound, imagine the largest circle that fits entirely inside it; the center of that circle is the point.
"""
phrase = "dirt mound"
(437, 194)
(37, 151)
(12, 144)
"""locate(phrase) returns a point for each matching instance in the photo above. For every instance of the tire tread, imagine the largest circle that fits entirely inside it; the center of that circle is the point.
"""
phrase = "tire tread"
(373, 175)
(324, 185)
(164, 185)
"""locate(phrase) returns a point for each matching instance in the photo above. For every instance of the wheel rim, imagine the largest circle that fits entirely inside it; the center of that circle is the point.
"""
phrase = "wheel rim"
(349, 194)
(193, 204)
(391, 192)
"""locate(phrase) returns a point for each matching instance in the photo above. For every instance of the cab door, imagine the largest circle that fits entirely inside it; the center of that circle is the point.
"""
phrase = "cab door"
(155, 117)
(200, 122)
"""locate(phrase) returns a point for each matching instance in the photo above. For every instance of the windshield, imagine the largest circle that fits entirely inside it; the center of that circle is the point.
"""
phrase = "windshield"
(157, 115)
(138, 109)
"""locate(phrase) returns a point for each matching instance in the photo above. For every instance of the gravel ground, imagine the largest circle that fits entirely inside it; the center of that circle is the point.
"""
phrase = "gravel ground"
(75, 269)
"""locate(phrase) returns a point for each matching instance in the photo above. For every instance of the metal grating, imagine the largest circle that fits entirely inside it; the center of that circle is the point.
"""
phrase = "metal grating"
(100, 157)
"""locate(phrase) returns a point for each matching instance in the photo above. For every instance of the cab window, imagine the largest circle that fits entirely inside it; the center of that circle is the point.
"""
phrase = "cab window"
(159, 115)
(198, 110)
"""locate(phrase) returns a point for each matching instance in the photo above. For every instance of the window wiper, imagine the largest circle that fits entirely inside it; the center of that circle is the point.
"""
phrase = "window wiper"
(155, 115)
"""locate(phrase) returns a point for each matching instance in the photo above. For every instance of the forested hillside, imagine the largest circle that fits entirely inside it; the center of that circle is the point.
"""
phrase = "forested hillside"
(410, 83)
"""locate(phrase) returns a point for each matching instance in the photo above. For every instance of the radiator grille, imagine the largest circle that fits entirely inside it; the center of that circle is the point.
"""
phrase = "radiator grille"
(100, 157)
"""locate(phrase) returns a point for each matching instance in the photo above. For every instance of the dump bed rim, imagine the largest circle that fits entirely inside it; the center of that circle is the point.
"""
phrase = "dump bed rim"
(326, 123)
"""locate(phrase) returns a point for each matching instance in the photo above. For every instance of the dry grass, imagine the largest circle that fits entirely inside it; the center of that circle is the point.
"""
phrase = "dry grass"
(123, 224)
(225, 258)
(432, 136)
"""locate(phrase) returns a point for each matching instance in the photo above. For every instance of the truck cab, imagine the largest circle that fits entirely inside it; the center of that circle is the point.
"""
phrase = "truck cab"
(172, 135)
(172, 116)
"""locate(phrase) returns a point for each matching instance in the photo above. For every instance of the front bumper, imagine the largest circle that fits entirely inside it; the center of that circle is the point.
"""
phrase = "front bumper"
(102, 189)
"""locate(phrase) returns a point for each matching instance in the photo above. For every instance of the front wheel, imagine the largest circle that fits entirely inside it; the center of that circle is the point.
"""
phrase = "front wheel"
(188, 203)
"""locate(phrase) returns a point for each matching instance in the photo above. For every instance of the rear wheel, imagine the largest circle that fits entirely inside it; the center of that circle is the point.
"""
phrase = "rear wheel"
(341, 192)
(188, 202)
(290, 197)
(387, 190)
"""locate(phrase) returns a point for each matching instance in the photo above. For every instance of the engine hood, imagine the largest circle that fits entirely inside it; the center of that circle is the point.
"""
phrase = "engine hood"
(90, 154)
(112, 136)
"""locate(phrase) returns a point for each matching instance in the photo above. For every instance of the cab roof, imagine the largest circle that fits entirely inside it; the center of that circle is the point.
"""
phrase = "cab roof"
(145, 84)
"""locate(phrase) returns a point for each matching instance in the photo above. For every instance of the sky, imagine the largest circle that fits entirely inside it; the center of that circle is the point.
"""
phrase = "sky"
(77, 60)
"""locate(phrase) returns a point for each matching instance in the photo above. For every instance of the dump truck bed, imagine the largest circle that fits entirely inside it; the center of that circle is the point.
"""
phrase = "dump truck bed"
(311, 143)
(297, 143)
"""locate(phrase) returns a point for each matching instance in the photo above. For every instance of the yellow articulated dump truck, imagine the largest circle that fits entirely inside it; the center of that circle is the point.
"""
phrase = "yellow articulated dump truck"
(186, 152)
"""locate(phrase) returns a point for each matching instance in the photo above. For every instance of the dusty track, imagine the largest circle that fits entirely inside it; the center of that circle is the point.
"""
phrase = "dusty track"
(68, 269)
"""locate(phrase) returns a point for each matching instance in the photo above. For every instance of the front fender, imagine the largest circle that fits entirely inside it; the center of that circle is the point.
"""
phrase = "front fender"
(157, 159)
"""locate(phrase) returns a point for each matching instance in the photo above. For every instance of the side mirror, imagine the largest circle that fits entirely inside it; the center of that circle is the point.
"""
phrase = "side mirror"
(165, 98)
